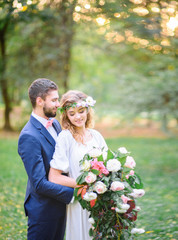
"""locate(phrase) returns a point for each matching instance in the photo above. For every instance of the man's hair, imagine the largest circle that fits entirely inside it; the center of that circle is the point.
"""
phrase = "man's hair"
(40, 88)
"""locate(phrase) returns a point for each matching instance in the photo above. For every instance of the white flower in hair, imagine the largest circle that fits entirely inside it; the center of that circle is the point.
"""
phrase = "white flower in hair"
(90, 101)
(83, 104)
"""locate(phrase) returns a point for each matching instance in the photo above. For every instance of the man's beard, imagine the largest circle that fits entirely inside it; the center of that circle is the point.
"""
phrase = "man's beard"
(48, 112)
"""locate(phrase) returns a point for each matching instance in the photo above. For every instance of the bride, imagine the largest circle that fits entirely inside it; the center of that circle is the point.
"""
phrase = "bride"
(72, 144)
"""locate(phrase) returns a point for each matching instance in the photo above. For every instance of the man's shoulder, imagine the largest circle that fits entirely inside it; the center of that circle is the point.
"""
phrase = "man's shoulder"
(29, 129)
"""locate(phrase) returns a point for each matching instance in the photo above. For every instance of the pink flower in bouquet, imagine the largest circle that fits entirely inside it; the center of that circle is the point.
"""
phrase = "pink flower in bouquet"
(98, 165)
(137, 193)
(90, 178)
(117, 186)
(100, 187)
(130, 174)
(125, 199)
(130, 162)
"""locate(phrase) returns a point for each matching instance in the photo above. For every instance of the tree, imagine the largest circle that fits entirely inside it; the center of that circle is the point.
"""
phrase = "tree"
(11, 14)
(55, 19)
(139, 37)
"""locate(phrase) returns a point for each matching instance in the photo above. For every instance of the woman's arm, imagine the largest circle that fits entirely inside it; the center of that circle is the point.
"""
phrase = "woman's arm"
(56, 176)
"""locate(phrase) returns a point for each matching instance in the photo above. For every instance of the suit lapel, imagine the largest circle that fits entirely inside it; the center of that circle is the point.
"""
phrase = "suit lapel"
(47, 135)
(57, 126)
(43, 130)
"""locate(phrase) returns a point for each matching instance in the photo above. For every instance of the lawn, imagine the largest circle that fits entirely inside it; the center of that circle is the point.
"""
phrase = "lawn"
(157, 165)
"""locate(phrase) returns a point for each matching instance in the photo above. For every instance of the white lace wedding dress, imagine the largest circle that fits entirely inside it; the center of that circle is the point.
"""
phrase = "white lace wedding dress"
(68, 153)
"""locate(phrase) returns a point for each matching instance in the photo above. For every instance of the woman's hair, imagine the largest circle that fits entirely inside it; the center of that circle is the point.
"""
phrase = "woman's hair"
(70, 97)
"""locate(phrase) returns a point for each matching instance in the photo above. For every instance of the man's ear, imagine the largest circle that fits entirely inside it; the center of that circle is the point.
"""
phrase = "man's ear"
(39, 101)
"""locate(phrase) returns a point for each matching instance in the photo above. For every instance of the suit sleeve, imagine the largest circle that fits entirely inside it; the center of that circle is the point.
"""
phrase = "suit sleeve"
(29, 149)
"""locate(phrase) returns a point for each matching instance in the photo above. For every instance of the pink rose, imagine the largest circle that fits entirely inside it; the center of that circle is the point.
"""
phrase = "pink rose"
(130, 162)
(137, 193)
(90, 178)
(100, 187)
(98, 165)
(125, 199)
(117, 186)
(130, 174)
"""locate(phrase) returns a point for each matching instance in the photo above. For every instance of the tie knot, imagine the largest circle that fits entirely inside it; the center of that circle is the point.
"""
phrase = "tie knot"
(49, 123)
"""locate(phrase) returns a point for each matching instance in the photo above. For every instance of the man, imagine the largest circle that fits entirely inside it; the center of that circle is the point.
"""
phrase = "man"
(45, 202)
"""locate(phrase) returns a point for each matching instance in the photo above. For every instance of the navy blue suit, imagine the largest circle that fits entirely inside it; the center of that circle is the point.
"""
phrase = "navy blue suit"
(45, 202)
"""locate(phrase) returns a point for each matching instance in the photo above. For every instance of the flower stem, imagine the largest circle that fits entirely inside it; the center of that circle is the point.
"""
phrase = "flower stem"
(118, 222)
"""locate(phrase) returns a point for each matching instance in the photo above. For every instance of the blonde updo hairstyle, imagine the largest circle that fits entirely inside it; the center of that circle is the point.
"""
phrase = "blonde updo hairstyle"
(70, 97)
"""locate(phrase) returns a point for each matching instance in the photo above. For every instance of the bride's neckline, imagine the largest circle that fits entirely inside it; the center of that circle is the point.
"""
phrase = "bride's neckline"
(85, 143)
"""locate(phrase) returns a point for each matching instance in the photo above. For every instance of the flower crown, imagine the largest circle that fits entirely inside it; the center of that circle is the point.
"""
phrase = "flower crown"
(88, 102)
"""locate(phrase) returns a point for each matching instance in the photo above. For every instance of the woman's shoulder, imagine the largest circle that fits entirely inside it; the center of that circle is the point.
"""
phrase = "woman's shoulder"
(95, 132)
(65, 134)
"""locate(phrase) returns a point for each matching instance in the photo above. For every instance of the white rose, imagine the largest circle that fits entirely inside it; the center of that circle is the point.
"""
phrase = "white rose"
(119, 210)
(89, 196)
(122, 208)
(90, 178)
(85, 165)
(137, 208)
(137, 193)
(130, 162)
(117, 186)
(91, 220)
(95, 152)
(113, 165)
(100, 187)
(90, 101)
(125, 206)
(137, 230)
(123, 150)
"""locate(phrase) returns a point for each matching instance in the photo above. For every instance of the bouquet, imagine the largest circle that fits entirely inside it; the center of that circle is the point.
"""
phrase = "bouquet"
(108, 188)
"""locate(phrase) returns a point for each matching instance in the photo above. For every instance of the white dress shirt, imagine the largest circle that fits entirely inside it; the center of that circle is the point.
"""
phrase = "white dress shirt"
(44, 121)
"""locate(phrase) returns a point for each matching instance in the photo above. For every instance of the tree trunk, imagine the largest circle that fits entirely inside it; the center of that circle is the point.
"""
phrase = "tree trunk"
(164, 123)
(3, 82)
(65, 42)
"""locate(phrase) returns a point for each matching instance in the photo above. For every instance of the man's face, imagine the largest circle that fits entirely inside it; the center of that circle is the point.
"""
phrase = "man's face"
(51, 104)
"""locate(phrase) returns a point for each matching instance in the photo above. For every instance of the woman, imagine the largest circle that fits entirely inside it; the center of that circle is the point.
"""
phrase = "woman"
(72, 144)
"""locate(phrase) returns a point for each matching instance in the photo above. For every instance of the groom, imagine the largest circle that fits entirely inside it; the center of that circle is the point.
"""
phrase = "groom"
(45, 202)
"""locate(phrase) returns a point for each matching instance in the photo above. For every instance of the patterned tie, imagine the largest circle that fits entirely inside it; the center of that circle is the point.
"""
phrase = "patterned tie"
(49, 123)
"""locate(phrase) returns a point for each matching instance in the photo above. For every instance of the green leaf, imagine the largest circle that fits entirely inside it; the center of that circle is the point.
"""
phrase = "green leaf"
(122, 160)
(75, 192)
(95, 171)
(110, 155)
(135, 181)
(100, 158)
(81, 178)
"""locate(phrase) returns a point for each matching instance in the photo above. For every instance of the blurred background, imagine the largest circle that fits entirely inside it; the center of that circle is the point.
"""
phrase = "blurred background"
(121, 52)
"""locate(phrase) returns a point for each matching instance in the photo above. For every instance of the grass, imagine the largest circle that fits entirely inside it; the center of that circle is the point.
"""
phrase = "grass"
(156, 164)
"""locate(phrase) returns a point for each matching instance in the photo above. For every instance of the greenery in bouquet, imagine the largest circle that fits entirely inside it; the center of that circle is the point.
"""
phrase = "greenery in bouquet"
(108, 188)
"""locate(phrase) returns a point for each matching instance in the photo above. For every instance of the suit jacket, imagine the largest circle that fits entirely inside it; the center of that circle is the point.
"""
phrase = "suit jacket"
(44, 200)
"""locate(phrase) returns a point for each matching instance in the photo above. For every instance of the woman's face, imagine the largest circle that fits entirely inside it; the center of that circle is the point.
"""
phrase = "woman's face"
(77, 116)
